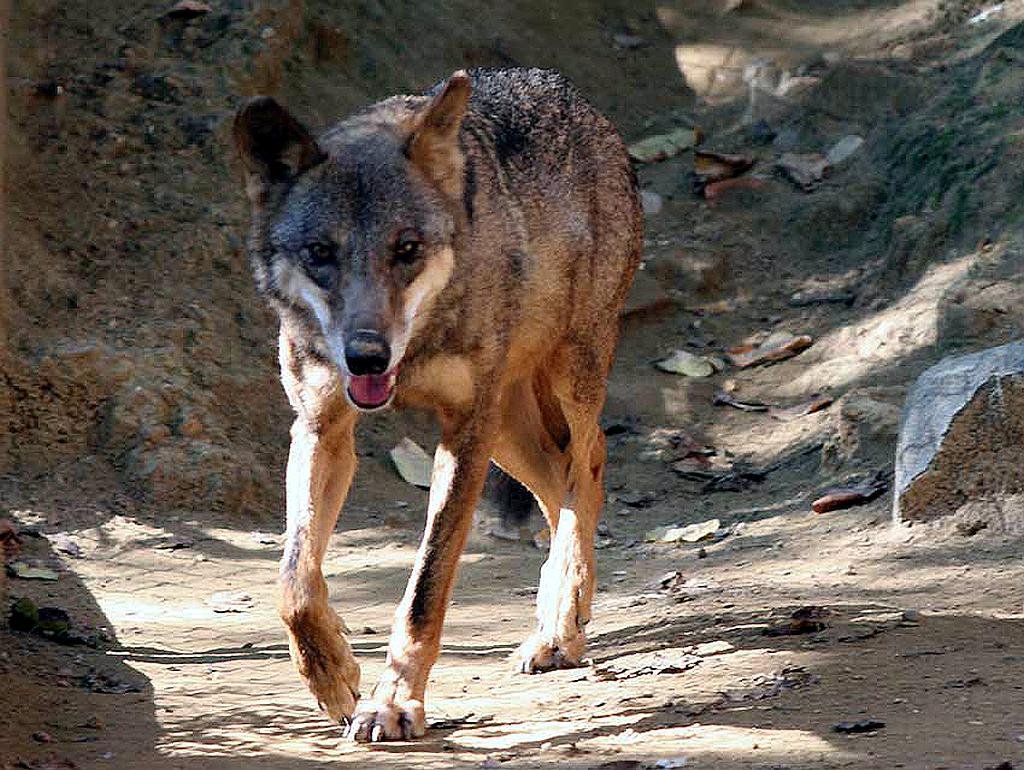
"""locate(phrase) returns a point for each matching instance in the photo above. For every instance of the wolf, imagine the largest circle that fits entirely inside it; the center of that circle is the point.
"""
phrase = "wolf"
(464, 252)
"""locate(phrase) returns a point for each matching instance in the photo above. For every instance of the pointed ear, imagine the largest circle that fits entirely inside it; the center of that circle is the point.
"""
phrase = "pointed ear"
(273, 145)
(434, 141)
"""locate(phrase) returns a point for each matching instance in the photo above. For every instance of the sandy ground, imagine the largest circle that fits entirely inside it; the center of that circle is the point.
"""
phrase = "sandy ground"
(693, 655)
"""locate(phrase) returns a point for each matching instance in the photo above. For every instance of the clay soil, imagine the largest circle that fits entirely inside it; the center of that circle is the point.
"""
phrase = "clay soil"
(145, 425)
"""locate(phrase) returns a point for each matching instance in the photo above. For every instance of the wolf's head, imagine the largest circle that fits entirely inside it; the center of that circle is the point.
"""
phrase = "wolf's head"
(354, 232)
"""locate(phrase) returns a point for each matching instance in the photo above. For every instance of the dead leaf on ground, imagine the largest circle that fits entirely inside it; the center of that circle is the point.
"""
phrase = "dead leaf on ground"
(725, 399)
(814, 404)
(184, 10)
(414, 465)
(709, 167)
(847, 497)
(805, 170)
(662, 146)
(691, 533)
(174, 544)
(26, 571)
(805, 620)
(778, 347)
(860, 726)
(715, 190)
(685, 363)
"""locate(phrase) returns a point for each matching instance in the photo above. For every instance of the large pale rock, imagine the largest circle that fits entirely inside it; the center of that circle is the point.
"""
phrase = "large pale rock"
(962, 434)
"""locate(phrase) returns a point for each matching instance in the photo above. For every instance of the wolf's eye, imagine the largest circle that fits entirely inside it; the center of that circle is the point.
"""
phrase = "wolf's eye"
(407, 247)
(318, 254)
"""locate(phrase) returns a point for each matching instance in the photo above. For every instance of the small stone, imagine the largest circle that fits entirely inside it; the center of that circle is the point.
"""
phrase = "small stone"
(911, 616)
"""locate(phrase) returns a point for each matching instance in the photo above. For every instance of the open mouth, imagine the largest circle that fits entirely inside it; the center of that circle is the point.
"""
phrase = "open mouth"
(371, 391)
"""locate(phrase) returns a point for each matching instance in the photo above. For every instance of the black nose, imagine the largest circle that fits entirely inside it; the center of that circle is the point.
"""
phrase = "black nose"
(367, 352)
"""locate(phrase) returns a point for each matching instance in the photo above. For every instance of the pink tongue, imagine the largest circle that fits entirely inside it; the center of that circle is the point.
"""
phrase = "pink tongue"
(370, 389)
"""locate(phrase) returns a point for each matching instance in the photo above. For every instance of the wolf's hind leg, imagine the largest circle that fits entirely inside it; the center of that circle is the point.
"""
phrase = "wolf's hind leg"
(568, 576)
(321, 463)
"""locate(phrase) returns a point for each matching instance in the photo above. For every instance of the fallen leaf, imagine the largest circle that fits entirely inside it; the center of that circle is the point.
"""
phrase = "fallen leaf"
(25, 571)
(661, 146)
(843, 150)
(846, 497)
(805, 170)
(687, 364)
(711, 167)
(627, 41)
(812, 405)
(715, 190)
(805, 620)
(862, 726)
(413, 464)
(174, 544)
(691, 533)
(777, 347)
(185, 10)
(725, 399)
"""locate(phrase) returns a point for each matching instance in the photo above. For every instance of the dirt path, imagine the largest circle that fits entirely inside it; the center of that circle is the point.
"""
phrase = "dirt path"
(745, 650)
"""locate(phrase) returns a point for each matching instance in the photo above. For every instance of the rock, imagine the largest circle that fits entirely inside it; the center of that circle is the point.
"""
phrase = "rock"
(961, 436)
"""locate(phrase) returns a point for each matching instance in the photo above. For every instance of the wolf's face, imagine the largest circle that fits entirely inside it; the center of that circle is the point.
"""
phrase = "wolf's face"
(355, 233)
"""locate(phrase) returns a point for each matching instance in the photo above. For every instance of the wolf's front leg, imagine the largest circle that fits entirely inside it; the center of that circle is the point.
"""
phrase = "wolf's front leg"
(395, 709)
(321, 464)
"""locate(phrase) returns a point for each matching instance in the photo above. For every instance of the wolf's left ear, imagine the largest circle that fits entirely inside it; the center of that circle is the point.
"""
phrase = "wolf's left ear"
(434, 141)
(273, 145)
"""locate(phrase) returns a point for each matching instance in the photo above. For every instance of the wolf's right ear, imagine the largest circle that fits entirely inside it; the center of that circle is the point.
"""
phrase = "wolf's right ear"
(273, 145)
(433, 143)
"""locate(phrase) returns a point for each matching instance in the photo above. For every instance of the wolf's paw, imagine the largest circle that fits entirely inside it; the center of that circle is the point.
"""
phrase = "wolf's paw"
(326, 664)
(375, 722)
(538, 654)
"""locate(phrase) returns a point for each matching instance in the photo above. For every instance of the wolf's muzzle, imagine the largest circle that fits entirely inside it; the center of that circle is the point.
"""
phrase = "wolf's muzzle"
(367, 352)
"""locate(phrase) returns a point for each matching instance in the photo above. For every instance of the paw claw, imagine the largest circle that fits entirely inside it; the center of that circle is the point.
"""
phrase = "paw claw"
(536, 656)
(377, 722)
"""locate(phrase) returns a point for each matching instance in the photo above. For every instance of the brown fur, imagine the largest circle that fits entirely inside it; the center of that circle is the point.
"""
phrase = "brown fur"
(504, 327)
